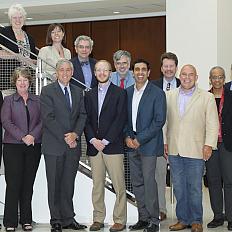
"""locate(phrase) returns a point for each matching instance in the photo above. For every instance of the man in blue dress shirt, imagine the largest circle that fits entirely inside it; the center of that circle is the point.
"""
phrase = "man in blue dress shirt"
(122, 77)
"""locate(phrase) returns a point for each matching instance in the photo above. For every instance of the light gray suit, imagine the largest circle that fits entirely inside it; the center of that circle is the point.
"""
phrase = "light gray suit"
(61, 161)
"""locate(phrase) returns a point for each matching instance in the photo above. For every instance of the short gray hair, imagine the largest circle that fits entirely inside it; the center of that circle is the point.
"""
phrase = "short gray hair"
(217, 67)
(118, 55)
(16, 8)
(85, 38)
(63, 61)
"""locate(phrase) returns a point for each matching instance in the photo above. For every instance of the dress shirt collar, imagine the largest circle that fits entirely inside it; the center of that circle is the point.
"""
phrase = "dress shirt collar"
(104, 87)
(142, 89)
(187, 93)
(172, 83)
(63, 86)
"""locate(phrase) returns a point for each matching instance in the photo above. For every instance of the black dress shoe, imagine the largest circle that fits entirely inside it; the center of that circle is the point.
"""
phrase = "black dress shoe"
(75, 226)
(229, 226)
(140, 225)
(56, 227)
(151, 228)
(215, 223)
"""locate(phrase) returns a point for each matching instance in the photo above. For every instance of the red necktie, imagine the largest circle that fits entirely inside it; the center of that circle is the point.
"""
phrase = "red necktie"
(122, 83)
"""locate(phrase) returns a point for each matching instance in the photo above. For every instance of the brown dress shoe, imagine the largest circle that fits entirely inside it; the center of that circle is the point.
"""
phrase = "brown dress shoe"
(177, 226)
(117, 227)
(96, 226)
(163, 216)
(197, 227)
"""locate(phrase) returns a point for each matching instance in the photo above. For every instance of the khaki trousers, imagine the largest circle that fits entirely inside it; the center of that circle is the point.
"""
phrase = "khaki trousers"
(113, 164)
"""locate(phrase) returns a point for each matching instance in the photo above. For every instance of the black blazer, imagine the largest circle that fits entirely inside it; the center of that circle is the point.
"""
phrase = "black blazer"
(78, 73)
(8, 32)
(227, 85)
(160, 81)
(227, 120)
(111, 121)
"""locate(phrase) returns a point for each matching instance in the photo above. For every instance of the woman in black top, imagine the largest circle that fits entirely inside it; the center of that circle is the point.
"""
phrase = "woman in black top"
(218, 167)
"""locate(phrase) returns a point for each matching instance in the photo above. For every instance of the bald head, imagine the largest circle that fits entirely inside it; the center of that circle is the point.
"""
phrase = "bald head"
(188, 77)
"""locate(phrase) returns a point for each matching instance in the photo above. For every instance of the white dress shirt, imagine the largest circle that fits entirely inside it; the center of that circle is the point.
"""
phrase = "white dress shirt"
(135, 103)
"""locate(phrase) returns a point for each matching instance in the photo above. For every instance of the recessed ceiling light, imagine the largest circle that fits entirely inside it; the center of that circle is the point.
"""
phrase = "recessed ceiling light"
(29, 18)
(116, 12)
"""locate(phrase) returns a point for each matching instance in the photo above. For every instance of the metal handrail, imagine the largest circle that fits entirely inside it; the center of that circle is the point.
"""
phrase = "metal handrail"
(41, 59)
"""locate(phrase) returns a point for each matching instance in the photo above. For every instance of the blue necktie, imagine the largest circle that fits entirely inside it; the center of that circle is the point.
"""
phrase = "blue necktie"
(66, 93)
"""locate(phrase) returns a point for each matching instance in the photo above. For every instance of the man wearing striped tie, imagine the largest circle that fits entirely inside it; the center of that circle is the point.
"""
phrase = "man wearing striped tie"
(169, 63)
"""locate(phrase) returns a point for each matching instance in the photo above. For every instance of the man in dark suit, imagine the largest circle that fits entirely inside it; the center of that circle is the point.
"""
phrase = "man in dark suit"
(106, 117)
(146, 117)
(83, 64)
(63, 116)
(169, 63)
(228, 85)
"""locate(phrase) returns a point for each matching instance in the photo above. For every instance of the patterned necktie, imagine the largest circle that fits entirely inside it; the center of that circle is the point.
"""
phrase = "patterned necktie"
(168, 87)
(66, 94)
(122, 83)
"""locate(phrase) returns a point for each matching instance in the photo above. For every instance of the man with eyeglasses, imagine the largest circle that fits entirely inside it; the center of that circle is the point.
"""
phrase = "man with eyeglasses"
(122, 77)
(106, 107)
(190, 134)
(83, 64)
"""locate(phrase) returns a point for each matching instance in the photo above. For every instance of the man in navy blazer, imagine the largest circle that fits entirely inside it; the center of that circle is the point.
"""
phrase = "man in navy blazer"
(169, 64)
(106, 117)
(83, 75)
(144, 138)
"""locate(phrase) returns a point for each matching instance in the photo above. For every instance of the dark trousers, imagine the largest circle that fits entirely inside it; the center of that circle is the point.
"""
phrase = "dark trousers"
(21, 164)
(61, 173)
(219, 175)
(142, 170)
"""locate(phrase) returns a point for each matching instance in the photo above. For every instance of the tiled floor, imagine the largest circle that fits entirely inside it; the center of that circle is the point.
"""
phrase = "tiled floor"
(164, 225)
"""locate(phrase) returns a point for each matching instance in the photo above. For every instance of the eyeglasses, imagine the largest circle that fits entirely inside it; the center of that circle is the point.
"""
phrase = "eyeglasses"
(83, 47)
(122, 63)
(217, 78)
(102, 70)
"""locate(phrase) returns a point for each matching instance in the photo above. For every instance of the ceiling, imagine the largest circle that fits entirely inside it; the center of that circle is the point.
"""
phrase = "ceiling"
(49, 11)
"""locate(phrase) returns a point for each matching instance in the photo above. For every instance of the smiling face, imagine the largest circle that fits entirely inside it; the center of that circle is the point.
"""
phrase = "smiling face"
(102, 71)
(17, 20)
(83, 49)
(122, 65)
(188, 77)
(22, 84)
(64, 73)
(217, 78)
(141, 73)
(57, 35)
(168, 69)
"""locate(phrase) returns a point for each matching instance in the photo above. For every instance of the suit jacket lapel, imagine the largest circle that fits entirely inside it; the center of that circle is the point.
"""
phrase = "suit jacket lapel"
(60, 95)
(107, 97)
(143, 98)
(79, 71)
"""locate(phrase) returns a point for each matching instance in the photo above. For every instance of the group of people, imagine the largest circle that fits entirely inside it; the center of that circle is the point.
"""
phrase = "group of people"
(170, 120)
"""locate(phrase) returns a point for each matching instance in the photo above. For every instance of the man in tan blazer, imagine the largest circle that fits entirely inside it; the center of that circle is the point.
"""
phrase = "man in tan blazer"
(190, 134)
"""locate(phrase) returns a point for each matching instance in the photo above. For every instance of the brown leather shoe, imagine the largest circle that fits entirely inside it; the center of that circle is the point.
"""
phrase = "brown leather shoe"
(197, 227)
(96, 226)
(177, 226)
(163, 216)
(117, 227)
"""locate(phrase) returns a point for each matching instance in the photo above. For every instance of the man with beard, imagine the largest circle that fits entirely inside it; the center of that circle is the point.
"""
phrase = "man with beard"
(122, 77)
(106, 116)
